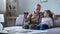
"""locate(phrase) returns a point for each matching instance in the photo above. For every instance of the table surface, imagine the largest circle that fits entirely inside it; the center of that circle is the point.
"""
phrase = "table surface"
(19, 30)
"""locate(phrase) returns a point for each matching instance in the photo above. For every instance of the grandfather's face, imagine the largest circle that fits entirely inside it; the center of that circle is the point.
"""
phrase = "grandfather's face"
(37, 9)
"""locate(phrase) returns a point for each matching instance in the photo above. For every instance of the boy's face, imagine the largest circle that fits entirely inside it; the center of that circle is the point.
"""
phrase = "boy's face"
(37, 9)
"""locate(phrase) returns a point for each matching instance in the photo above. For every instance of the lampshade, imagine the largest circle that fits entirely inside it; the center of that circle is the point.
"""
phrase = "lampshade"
(1, 18)
(1, 21)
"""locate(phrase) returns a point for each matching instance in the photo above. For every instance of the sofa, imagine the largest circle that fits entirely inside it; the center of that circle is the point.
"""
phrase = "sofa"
(54, 30)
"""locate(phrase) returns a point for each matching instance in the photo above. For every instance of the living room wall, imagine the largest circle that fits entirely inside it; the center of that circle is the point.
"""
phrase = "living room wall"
(2, 6)
(28, 5)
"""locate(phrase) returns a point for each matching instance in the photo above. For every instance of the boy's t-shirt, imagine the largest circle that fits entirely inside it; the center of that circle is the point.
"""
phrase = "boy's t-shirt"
(37, 17)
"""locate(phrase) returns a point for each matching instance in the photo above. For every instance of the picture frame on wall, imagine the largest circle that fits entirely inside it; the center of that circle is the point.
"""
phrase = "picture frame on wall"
(42, 1)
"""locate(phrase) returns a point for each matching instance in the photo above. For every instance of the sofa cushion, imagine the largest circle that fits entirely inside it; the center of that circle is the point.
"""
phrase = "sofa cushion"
(57, 22)
(54, 30)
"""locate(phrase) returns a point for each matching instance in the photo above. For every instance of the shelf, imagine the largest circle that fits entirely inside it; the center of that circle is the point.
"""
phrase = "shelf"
(12, 8)
(11, 17)
(11, 12)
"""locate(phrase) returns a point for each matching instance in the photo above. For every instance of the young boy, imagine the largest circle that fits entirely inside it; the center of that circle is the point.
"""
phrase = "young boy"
(35, 16)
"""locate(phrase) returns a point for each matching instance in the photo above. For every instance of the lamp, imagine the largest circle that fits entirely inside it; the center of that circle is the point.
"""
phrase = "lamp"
(1, 21)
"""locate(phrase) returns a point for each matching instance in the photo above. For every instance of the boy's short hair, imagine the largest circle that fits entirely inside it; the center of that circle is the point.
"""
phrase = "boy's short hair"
(38, 5)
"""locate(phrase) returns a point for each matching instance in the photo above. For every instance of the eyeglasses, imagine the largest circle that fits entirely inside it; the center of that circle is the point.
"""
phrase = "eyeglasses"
(26, 13)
